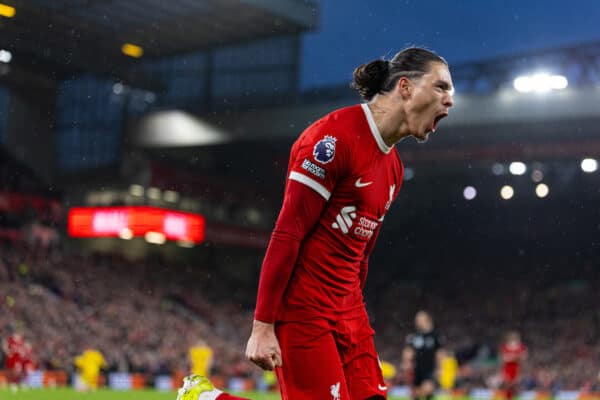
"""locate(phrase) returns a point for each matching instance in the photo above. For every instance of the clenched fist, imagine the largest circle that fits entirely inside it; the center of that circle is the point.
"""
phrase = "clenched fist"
(263, 348)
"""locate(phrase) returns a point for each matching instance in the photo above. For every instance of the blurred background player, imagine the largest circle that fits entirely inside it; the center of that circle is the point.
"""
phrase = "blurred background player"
(201, 359)
(512, 352)
(14, 350)
(388, 371)
(448, 371)
(421, 350)
(89, 364)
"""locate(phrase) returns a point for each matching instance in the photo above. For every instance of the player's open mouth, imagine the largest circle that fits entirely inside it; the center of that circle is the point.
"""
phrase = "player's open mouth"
(437, 119)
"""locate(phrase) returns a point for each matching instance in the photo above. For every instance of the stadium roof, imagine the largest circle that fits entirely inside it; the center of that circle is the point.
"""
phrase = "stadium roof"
(63, 37)
(490, 119)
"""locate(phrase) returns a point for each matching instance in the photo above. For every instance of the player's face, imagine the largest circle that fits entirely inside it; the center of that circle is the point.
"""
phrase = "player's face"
(423, 322)
(429, 102)
(513, 339)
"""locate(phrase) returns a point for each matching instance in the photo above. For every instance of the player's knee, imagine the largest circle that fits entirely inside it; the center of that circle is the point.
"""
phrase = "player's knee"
(427, 388)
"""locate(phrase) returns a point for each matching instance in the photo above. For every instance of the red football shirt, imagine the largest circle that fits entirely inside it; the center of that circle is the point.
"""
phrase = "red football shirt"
(15, 344)
(511, 359)
(344, 159)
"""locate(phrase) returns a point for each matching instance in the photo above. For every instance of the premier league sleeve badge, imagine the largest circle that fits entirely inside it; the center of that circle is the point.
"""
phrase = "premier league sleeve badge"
(324, 150)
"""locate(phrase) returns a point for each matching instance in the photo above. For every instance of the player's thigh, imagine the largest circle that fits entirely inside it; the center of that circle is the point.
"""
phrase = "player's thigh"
(312, 368)
(363, 372)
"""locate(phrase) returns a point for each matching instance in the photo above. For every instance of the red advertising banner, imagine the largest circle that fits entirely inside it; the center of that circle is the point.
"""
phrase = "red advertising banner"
(128, 222)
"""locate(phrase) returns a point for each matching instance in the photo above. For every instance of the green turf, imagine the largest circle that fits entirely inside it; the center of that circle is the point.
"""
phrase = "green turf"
(69, 394)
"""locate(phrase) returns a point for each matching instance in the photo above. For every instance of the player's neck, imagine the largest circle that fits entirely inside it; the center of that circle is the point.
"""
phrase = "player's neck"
(391, 123)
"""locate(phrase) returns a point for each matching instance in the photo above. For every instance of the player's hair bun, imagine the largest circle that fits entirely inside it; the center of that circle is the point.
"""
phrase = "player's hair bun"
(369, 79)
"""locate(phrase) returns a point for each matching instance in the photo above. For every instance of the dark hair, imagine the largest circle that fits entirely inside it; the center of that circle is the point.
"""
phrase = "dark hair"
(380, 76)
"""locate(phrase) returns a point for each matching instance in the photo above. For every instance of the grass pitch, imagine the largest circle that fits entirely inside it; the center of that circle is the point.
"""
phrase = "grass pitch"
(70, 394)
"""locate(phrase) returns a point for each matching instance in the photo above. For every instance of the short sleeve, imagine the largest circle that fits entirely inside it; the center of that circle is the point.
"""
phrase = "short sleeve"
(318, 160)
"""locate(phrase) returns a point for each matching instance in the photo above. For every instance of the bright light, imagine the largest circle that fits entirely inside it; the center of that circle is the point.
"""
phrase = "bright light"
(540, 83)
(589, 165)
(517, 168)
(155, 238)
(136, 190)
(542, 190)
(109, 221)
(175, 128)
(523, 84)
(126, 234)
(469, 193)
(132, 50)
(7, 11)
(558, 82)
(171, 196)
(185, 243)
(537, 175)
(153, 193)
(507, 192)
(5, 56)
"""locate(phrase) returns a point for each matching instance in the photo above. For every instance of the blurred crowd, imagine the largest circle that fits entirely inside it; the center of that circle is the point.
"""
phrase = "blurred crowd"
(133, 313)
(145, 315)
(558, 319)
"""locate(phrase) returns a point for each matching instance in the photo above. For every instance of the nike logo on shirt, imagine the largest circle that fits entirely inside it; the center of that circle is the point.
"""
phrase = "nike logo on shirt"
(360, 184)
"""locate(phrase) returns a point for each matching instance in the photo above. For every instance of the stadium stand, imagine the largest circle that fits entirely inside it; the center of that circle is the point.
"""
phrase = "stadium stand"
(143, 316)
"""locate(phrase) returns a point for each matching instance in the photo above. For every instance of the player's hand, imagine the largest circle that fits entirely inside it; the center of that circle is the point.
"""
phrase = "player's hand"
(263, 348)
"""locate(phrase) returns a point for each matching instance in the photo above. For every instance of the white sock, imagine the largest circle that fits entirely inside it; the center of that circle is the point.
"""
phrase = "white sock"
(212, 395)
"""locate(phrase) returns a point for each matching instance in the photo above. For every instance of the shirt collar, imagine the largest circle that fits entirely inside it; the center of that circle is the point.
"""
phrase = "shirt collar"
(375, 131)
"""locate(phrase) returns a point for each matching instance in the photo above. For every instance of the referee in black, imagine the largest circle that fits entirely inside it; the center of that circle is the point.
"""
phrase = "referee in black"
(421, 351)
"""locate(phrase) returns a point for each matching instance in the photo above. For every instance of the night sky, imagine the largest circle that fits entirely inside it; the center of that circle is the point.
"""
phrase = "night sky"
(352, 32)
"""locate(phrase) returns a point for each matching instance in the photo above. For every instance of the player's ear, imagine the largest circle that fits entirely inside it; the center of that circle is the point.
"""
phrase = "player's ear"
(404, 87)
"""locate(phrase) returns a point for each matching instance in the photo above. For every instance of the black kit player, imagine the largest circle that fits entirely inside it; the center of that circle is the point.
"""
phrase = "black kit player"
(421, 350)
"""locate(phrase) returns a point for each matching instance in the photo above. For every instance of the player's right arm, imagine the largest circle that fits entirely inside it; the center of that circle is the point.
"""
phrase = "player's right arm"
(316, 164)
(301, 210)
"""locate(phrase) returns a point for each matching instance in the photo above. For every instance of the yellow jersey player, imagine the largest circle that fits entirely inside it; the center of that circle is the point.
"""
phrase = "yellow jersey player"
(89, 364)
(388, 371)
(201, 359)
(448, 370)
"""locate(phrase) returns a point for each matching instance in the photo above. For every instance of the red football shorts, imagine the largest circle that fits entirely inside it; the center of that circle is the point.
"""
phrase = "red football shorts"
(325, 360)
(510, 372)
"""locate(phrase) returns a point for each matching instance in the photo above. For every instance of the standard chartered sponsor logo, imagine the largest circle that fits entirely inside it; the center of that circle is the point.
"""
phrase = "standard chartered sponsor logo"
(365, 227)
(345, 220)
